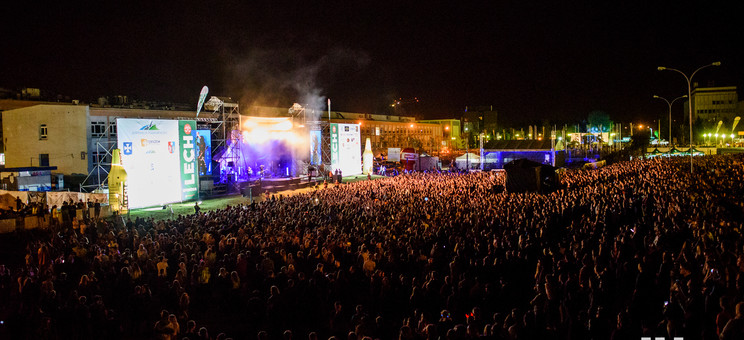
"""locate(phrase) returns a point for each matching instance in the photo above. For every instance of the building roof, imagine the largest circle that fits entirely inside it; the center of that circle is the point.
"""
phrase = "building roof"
(29, 168)
(714, 89)
(527, 144)
(12, 104)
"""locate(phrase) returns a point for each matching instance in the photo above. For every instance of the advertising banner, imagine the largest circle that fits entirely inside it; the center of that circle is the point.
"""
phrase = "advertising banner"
(160, 160)
(204, 152)
(346, 148)
(334, 146)
(187, 154)
(316, 157)
(393, 155)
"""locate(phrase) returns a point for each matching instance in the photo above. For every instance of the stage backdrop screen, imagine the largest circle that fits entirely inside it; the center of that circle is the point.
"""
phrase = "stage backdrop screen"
(204, 152)
(346, 149)
(316, 138)
(160, 159)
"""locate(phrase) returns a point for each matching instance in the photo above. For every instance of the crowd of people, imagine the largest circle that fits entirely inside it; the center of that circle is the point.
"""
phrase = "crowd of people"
(639, 248)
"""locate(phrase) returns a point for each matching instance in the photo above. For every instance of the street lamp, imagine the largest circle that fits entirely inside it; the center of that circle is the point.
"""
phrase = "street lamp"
(689, 95)
(670, 113)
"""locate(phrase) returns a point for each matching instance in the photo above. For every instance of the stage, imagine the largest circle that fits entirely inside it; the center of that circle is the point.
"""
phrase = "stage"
(272, 185)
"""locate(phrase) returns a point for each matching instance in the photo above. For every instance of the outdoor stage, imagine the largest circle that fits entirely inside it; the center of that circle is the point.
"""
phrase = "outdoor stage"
(272, 185)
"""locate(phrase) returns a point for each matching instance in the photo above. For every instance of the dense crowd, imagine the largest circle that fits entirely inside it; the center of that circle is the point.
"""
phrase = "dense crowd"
(640, 248)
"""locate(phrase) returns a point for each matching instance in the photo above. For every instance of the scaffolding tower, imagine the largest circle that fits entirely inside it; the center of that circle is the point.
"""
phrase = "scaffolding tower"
(227, 133)
(313, 122)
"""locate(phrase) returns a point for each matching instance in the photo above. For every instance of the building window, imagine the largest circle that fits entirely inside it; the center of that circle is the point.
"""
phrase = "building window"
(44, 159)
(99, 157)
(43, 131)
(112, 129)
(97, 129)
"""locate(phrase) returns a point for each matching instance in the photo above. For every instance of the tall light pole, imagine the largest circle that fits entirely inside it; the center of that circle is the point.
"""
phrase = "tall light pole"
(689, 95)
(670, 114)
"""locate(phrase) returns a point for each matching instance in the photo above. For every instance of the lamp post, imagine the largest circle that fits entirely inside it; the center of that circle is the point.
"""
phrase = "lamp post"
(670, 113)
(689, 95)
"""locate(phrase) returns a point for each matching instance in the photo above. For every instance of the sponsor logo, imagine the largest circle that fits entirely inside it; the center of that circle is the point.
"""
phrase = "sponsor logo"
(127, 148)
(334, 129)
(150, 152)
(187, 155)
(171, 145)
(149, 127)
(146, 142)
(346, 128)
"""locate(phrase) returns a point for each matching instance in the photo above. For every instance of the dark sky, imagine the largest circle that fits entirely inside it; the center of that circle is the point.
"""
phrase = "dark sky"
(531, 60)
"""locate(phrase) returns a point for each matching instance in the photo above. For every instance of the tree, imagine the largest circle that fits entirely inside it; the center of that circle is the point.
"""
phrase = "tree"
(598, 118)
(640, 141)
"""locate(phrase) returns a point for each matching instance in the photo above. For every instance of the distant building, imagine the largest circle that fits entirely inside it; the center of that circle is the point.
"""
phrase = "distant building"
(452, 138)
(477, 120)
(47, 134)
(712, 104)
(395, 134)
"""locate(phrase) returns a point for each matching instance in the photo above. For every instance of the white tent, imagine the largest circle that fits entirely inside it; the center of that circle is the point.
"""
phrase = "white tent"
(468, 160)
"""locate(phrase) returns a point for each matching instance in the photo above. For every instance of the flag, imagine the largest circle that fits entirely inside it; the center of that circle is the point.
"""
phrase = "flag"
(202, 97)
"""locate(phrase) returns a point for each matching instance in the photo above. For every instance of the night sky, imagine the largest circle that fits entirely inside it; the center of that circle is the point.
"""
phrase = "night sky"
(531, 60)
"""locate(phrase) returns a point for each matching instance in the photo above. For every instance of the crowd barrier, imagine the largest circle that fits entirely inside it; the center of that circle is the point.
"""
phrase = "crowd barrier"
(51, 198)
(595, 165)
(10, 225)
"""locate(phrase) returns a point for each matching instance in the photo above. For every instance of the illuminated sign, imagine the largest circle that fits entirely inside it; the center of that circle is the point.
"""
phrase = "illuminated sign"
(204, 151)
(346, 148)
(159, 157)
(189, 185)
(316, 157)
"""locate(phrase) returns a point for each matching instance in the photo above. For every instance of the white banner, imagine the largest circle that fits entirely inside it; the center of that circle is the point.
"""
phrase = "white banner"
(393, 155)
(149, 154)
(346, 148)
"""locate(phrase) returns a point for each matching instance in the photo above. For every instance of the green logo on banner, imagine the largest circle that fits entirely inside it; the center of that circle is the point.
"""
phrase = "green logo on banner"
(187, 155)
